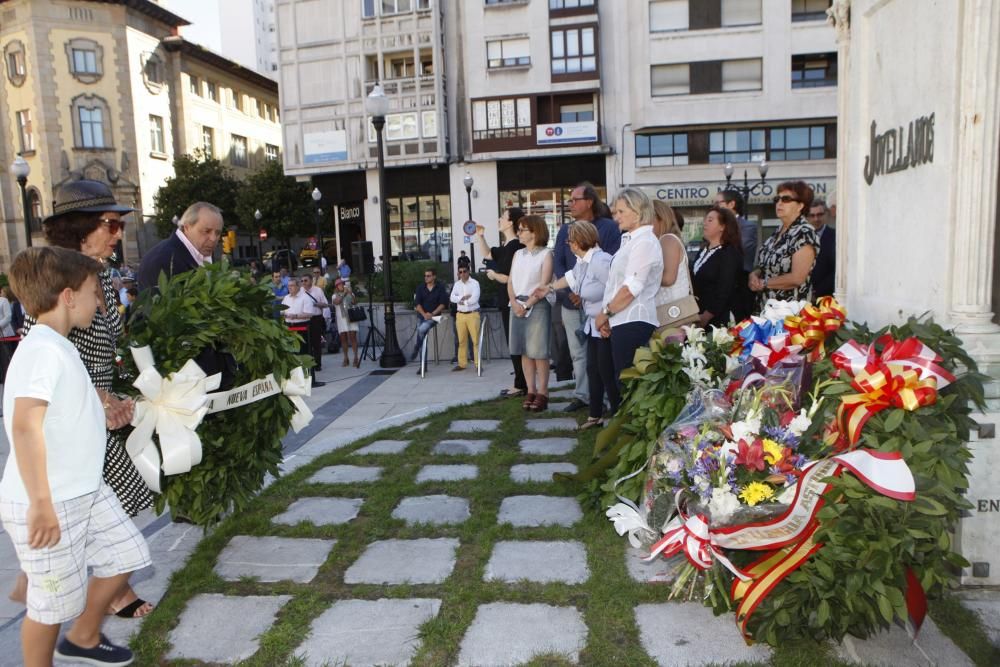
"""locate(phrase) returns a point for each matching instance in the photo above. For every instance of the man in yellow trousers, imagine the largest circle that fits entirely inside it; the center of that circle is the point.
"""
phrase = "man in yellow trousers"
(465, 295)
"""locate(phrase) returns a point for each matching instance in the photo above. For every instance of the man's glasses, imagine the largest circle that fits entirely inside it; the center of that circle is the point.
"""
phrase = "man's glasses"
(576, 199)
(785, 199)
(114, 224)
(523, 229)
(815, 215)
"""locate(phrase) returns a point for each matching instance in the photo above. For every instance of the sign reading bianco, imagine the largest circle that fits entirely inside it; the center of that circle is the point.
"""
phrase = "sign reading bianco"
(899, 149)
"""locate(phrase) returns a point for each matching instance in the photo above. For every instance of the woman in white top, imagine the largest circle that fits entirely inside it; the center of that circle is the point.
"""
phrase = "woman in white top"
(343, 298)
(628, 314)
(675, 282)
(530, 314)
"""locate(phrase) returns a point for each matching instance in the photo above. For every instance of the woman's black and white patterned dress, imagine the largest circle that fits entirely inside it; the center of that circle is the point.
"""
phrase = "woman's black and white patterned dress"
(775, 259)
(96, 345)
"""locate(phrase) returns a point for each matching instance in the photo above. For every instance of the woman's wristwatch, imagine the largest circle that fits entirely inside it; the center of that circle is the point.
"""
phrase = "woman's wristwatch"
(607, 311)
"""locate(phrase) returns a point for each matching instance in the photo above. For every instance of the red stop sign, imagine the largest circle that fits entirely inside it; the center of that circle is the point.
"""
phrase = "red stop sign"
(263, 235)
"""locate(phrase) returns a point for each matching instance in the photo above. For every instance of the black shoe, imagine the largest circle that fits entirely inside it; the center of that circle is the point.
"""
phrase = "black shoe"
(317, 383)
(105, 653)
(574, 405)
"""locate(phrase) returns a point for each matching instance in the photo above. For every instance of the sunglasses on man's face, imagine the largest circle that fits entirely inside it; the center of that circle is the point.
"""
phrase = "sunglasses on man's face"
(114, 224)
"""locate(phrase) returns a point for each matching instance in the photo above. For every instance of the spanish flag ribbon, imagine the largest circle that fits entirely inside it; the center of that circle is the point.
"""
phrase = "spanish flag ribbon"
(905, 375)
(811, 326)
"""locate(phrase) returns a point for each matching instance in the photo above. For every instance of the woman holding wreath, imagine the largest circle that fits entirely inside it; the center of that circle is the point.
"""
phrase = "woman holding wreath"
(87, 219)
(785, 260)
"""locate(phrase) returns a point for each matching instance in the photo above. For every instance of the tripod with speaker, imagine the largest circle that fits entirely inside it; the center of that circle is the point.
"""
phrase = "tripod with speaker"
(364, 260)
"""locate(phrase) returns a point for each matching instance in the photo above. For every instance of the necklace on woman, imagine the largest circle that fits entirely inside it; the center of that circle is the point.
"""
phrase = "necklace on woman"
(704, 256)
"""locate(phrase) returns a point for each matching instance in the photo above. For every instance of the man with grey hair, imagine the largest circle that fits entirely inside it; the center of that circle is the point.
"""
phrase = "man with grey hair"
(191, 246)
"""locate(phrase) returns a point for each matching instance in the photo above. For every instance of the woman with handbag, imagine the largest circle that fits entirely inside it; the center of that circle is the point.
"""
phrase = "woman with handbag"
(587, 279)
(530, 316)
(717, 269)
(628, 311)
(675, 302)
(344, 302)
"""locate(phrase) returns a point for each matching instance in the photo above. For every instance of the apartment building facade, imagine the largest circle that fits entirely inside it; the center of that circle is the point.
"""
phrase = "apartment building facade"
(103, 90)
(530, 97)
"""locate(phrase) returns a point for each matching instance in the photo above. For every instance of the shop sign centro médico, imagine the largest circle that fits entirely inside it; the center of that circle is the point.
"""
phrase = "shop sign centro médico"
(703, 193)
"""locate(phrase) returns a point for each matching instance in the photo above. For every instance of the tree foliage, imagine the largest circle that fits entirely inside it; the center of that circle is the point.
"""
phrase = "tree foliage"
(285, 204)
(197, 178)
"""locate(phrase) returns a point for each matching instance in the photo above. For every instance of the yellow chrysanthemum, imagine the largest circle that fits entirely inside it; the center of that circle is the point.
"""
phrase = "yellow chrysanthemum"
(772, 451)
(756, 492)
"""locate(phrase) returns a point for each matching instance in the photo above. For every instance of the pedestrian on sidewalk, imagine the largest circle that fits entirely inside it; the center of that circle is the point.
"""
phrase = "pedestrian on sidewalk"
(465, 295)
(60, 514)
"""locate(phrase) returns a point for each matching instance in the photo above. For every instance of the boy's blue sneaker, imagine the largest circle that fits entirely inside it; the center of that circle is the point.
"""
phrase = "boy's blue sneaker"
(104, 654)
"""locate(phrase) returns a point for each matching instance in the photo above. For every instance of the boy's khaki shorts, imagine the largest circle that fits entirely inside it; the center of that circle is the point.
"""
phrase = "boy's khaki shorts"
(96, 533)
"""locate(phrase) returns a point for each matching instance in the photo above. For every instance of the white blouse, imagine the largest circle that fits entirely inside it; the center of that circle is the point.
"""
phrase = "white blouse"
(637, 266)
(526, 270)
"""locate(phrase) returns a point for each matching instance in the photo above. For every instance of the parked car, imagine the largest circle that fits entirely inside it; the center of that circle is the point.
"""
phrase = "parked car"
(281, 257)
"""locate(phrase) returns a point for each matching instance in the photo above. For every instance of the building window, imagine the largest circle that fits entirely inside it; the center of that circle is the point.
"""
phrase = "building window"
(259, 108)
(396, 6)
(35, 202)
(194, 85)
(736, 146)
(742, 74)
(208, 141)
(270, 152)
(814, 70)
(666, 15)
(238, 153)
(152, 70)
(14, 57)
(367, 9)
(508, 53)
(212, 91)
(237, 100)
(797, 143)
(740, 12)
(91, 126)
(574, 51)
(570, 4)
(576, 113)
(810, 10)
(670, 79)
(501, 119)
(156, 134)
(420, 227)
(86, 59)
(669, 15)
(24, 131)
(661, 150)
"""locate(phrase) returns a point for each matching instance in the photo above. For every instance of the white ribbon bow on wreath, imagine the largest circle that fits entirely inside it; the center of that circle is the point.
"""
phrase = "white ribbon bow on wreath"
(172, 407)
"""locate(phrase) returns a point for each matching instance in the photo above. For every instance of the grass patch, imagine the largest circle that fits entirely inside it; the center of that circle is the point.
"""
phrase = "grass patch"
(963, 627)
(607, 600)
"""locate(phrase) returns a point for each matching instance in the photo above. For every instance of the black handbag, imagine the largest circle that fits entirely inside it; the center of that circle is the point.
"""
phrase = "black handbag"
(356, 314)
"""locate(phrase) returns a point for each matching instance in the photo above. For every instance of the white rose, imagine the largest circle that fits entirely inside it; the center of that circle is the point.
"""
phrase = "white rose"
(722, 505)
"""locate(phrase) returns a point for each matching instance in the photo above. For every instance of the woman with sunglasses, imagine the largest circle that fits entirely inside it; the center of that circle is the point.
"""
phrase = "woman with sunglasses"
(531, 315)
(87, 218)
(785, 260)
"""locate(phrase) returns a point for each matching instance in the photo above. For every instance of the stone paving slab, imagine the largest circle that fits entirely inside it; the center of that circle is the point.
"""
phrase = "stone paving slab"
(417, 427)
(474, 425)
(346, 475)
(533, 511)
(447, 473)
(468, 447)
(223, 628)
(435, 510)
(539, 472)
(547, 446)
(541, 562)
(660, 570)
(423, 561)
(384, 447)
(272, 559)
(365, 632)
(320, 511)
(505, 633)
(687, 633)
(553, 424)
(896, 649)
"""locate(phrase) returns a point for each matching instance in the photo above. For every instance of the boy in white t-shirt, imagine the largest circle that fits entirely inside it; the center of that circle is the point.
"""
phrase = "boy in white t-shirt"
(59, 513)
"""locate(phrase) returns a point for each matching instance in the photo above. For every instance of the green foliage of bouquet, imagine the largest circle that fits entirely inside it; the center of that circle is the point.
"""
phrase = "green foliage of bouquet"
(215, 306)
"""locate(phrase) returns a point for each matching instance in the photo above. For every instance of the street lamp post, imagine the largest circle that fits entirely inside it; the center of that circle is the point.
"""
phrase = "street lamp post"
(21, 170)
(257, 215)
(316, 197)
(468, 182)
(746, 189)
(392, 356)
